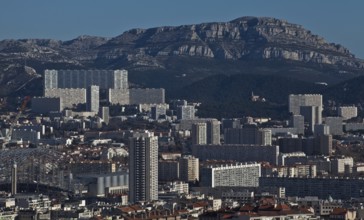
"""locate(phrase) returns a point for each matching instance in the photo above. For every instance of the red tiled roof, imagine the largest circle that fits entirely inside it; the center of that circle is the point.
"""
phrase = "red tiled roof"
(338, 211)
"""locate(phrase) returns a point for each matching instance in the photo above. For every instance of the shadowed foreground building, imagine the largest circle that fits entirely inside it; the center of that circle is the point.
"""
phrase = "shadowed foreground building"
(237, 152)
(323, 187)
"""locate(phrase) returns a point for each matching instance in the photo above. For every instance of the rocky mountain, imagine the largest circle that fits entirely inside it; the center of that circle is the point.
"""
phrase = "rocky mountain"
(175, 57)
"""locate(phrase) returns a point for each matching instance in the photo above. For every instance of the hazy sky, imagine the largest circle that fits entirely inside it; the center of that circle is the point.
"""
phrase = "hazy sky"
(338, 21)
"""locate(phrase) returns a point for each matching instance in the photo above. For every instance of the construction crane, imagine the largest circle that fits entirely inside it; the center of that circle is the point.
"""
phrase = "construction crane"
(12, 125)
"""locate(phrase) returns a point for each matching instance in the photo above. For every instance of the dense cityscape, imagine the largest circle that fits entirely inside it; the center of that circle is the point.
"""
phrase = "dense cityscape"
(94, 147)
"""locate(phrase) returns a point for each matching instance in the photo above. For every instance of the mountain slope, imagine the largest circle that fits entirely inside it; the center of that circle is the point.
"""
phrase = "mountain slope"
(175, 57)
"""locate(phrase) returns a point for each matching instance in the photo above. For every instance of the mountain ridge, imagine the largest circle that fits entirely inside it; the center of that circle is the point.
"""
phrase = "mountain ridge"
(193, 51)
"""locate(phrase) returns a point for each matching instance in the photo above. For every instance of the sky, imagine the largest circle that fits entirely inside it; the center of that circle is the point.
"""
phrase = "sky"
(338, 21)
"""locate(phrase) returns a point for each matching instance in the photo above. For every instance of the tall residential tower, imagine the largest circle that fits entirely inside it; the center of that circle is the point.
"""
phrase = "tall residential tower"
(143, 167)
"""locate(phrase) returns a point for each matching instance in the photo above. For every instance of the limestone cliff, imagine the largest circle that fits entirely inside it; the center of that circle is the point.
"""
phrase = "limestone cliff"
(246, 39)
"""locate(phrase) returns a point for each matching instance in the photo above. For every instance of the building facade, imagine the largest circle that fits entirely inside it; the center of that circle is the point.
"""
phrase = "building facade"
(146, 96)
(237, 152)
(186, 112)
(105, 79)
(92, 98)
(348, 112)
(189, 168)
(249, 134)
(296, 101)
(199, 133)
(243, 175)
(143, 167)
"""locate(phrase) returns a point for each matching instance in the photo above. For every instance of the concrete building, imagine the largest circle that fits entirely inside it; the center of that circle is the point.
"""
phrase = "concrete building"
(14, 179)
(335, 124)
(69, 97)
(264, 137)
(44, 105)
(290, 144)
(298, 122)
(296, 170)
(323, 145)
(322, 187)
(185, 112)
(168, 170)
(105, 79)
(104, 114)
(238, 175)
(107, 183)
(354, 127)
(250, 134)
(312, 116)
(341, 165)
(119, 96)
(29, 135)
(146, 96)
(286, 159)
(157, 111)
(199, 133)
(143, 167)
(237, 152)
(231, 123)
(347, 112)
(213, 131)
(92, 99)
(322, 129)
(189, 168)
(296, 101)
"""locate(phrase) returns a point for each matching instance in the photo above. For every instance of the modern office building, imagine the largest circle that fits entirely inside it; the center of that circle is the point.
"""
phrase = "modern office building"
(143, 167)
(92, 98)
(119, 96)
(348, 112)
(199, 133)
(189, 168)
(237, 152)
(231, 175)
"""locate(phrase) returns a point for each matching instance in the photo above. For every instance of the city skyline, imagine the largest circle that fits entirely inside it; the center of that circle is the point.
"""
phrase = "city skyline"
(335, 21)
